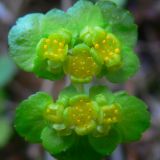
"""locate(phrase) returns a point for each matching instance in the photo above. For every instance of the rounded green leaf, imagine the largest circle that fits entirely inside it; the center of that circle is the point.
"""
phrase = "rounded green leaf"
(120, 22)
(23, 39)
(130, 65)
(105, 145)
(55, 20)
(101, 94)
(41, 69)
(81, 150)
(54, 143)
(135, 118)
(85, 13)
(29, 119)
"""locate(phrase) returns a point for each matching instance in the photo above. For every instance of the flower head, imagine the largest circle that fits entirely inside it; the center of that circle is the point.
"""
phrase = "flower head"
(101, 32)
(99, 115)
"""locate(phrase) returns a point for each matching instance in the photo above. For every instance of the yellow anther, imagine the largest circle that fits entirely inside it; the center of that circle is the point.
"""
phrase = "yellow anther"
(96, 46)
(78, 120)
(81, 100)
(109, 120)
(108, 37)
(60, 50)
(45, 53)
(45, 46)
(60, 44)
(114, 118)
(47, 40)
(104, 41)
(111, 54)
(55, 41)
(89, 58)
(48, 110)
(116, 111)
(55, 55)
(106, 58)
(117, 50)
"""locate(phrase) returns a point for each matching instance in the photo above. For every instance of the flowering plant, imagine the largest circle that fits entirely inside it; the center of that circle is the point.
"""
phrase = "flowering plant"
(89, 40)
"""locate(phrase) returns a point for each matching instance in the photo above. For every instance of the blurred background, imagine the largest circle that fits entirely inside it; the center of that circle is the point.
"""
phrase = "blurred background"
(16, 85)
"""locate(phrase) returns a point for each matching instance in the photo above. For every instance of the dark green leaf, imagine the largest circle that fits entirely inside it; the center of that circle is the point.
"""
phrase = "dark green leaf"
(135, 118)
(29, 120)
(105, 145)
(54, 143)
(81, 150)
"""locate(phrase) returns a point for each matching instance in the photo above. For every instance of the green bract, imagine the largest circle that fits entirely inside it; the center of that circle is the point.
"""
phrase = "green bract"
(102, 118)
(99, 35)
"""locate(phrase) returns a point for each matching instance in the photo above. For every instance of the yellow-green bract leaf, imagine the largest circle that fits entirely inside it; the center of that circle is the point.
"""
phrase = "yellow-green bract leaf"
(130, 65)
(105, 145)
(29, 119)
(120, 22)
(55, 143)
(23, 39)
(135, 118)
(85, 13)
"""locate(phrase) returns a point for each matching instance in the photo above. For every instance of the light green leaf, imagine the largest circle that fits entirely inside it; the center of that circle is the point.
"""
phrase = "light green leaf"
(7, 70)
(120, 22)
(105, 145)
(6, 131)
(55, 20)
(101, 94)
(135, 118)
(54, 143)
(85, 13)
(23, 39)
(29, 119)
(66, 94)
(130, 65)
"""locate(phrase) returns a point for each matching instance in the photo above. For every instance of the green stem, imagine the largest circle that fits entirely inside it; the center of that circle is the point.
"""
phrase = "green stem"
(79, 87)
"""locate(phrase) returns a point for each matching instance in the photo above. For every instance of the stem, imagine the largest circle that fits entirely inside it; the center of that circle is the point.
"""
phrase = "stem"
(79, 87)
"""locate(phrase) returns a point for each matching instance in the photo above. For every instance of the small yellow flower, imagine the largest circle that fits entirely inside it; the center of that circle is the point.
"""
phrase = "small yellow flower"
(81, 64)
(81, 115)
